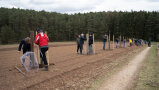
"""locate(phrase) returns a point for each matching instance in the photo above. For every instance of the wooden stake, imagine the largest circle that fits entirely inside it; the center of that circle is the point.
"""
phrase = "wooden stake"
(32, 41)
(47, 54)
(113, 41)
(87, 50)
(38, 53)
(20, 70)
(120, 41)
(109, 40)
(85, 46)
(93, 44)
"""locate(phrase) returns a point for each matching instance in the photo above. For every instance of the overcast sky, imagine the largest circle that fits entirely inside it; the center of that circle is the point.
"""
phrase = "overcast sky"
(75, 6)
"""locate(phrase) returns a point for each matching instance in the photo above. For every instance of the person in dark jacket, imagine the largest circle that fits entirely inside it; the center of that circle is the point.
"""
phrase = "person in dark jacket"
(26, 43)
(124, 42)
(149, 43)
(117, 42)
(90, 44)
(145, 42)
(78, 43)
(82, 39)
(136, 42)
(104, 41)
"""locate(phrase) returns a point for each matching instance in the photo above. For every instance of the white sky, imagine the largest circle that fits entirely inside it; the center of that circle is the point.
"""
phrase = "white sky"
(75, 6)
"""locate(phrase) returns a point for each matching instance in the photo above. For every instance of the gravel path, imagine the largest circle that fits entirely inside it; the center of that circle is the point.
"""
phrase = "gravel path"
(122, 79)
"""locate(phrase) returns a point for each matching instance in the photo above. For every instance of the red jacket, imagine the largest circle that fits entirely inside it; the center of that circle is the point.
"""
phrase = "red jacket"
(41, 39)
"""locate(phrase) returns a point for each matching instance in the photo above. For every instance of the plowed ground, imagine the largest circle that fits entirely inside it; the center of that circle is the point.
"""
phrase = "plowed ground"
(70, 72)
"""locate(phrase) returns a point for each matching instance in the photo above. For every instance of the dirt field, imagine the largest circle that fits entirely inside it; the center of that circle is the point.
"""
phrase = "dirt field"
(70, 72)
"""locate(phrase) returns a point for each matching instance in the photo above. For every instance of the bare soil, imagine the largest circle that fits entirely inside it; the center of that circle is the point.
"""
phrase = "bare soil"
(70, 72)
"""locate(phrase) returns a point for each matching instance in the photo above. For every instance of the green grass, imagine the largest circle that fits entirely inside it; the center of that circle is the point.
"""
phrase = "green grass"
(148, 76)
(154, 43)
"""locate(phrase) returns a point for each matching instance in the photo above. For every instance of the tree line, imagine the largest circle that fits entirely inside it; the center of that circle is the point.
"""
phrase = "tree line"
(15, 24)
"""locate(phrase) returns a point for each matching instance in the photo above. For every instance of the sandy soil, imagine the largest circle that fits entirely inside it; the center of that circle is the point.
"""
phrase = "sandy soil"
(122, 79)
(70, 72)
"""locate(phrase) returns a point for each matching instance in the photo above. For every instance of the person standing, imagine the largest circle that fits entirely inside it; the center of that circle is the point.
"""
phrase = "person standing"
(78, 43)
(124, 42)
(145, 42)
(82, 39)
(90, 44)
(117, 42)
(104, 41)
(26, 43)
(149, 43)
(130, 42)
(42, 40)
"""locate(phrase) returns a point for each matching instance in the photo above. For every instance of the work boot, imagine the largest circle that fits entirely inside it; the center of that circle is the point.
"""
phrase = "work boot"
(46, 68)
(41, 65)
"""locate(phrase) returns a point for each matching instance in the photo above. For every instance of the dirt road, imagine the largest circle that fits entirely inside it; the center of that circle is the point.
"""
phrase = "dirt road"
(122, 79)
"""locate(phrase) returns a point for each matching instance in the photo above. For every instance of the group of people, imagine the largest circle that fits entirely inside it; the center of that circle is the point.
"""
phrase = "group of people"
(104, 39)
(80, 41)
(42, 40)
(140, 42)
(137, 42)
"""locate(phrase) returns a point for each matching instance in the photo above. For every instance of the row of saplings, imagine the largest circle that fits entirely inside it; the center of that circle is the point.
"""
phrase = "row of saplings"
(29, 59)
(106, 39)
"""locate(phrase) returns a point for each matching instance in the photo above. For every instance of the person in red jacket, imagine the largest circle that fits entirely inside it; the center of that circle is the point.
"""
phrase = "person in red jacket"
(42, 40)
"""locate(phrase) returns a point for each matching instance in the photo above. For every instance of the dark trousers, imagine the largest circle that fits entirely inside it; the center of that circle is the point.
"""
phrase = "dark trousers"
(90, 49)
(103, 45)
(117, 44)
(81, 48)
(78, 47)
(124, 44)
(25, 50)
(149, 44)
(43, 55)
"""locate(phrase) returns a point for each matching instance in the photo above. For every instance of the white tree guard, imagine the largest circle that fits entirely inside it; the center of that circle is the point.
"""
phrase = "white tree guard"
(29, 60)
